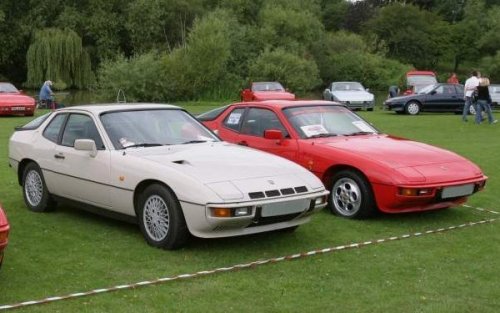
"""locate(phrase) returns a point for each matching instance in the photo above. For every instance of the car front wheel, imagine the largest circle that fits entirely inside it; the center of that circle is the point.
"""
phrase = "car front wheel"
(351, 195)
(412, 108)
(161, 219)
(36, 195)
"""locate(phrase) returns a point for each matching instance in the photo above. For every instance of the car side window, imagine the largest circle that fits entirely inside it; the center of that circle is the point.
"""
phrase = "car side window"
(258, 120)
(53, 130)
(80, 126)
(233, 120)
(439, 90)
(449, 90)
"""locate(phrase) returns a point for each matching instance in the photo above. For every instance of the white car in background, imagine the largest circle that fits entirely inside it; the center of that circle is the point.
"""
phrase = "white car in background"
(495, 95)
(157, 165)
(351, 94)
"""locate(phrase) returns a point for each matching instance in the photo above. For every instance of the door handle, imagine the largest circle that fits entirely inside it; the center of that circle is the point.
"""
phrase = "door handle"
(243, 143)
(59, 156)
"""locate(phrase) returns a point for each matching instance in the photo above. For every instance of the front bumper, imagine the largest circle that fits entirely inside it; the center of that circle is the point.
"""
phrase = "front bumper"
(356, 105)
(17, 109)
(262, 218)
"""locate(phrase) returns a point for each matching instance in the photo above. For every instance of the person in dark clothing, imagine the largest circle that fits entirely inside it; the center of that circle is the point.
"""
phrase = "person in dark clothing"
(393, 91)
(484, 101)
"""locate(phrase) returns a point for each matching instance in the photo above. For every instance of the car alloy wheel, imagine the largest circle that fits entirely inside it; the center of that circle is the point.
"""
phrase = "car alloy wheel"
(161, 218)
(156, 218)
(351, 195)
(36, 195)
(346, 197)
(33, 188)
(413, 108)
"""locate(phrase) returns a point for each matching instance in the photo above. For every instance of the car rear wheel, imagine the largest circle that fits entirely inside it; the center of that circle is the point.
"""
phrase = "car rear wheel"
(161, 219)
(35, 193)
(472, 110)
(412, 108)
(351, 195)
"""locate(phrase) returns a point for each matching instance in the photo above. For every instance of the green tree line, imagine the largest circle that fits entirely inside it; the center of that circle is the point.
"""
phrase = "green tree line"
(162, 50)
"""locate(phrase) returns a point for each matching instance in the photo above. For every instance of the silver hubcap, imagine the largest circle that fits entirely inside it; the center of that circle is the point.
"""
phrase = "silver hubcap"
(472, 110)
(413, 108)
(346, 196)
(33, 188)
(156, 218)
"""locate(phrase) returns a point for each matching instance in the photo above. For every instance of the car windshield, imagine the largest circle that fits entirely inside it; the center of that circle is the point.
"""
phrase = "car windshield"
(419, 80)
(8, 88)
(326, 121)
(426, 89)
(155, 127)
(347, 87)
(274, 86)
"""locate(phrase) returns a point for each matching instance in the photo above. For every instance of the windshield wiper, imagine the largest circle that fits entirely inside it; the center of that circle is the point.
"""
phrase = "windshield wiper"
(359, 133)
(323, 135)
(195, 141)
(144, 144)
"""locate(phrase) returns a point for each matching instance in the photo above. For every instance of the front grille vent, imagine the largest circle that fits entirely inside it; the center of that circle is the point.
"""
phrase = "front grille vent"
(277, 193)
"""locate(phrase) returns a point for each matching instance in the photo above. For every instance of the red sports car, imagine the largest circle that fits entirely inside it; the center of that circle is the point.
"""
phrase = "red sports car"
(14, 102)
(266, 91)
(4, 234)
(365, 170)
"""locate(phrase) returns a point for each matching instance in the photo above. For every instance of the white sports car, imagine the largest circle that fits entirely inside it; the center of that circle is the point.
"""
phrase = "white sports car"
(351, 94)
(157, 165)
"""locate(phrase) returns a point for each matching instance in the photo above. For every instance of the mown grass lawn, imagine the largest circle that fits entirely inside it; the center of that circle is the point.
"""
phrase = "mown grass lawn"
(71, 251)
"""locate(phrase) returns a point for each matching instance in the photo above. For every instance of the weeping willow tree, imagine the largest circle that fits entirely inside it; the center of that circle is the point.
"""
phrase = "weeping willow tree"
(58, 55)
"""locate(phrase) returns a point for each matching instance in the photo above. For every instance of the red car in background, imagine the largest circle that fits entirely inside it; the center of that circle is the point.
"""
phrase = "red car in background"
(14, 102)
(260, 91)
(364, 169)
(4, 234)
(416, 80)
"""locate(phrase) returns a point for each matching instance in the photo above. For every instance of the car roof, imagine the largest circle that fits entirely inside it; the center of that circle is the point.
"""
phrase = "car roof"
(286, 103)
(108, 107)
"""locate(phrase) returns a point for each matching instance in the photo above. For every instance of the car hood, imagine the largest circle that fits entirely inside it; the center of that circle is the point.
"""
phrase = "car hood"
(415, 160)
(273, 95)
(216, 162)
(353, 95)
(405, 98)
(6, 98)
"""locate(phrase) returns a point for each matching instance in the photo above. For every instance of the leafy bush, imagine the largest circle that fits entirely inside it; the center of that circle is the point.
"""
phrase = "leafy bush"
(298, 74)
(139, 77)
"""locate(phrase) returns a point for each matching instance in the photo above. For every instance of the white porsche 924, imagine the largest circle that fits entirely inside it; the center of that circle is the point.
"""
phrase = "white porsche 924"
(157, 165)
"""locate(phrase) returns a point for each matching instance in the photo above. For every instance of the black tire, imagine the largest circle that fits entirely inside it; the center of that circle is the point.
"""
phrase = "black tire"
(161, 219)
(369, 109)
(412, 108)
(351, 196)
(36, 196)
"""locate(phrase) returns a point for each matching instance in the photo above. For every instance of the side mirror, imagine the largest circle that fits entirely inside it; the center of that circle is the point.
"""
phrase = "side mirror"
(86, 145)
(273, 134)
(433, 92)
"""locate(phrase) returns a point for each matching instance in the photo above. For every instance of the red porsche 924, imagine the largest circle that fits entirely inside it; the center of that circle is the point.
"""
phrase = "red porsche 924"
(260, 91)
(14, 102)
(365, 170)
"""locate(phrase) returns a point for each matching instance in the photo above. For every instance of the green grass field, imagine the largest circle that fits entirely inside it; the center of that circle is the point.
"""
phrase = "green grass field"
(69, 250)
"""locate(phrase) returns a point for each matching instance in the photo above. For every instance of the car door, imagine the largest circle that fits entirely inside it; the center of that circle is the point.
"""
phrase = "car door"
(441, 99)
(253, 124)
(82, 177)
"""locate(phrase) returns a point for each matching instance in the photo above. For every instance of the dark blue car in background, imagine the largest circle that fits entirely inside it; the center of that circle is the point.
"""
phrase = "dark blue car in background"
(432, 98)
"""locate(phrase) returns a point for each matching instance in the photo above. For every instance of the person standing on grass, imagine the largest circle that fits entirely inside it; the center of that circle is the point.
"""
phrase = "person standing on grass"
(484, 101)
(453, 79)
(470, 86)
(46, 94)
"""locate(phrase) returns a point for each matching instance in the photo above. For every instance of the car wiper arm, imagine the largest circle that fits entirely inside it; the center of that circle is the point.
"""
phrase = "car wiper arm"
(195, 141)
(143, 144)
(359, 133)
(323, 135)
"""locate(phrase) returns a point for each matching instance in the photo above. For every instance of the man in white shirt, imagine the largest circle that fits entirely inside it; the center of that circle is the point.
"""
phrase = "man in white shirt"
(470, 86)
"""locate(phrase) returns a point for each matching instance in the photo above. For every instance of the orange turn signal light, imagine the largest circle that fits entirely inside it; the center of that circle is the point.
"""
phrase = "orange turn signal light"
(221, 212)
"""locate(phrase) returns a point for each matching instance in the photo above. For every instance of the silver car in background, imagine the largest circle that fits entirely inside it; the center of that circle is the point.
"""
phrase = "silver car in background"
(351, 94)
(495, 95)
